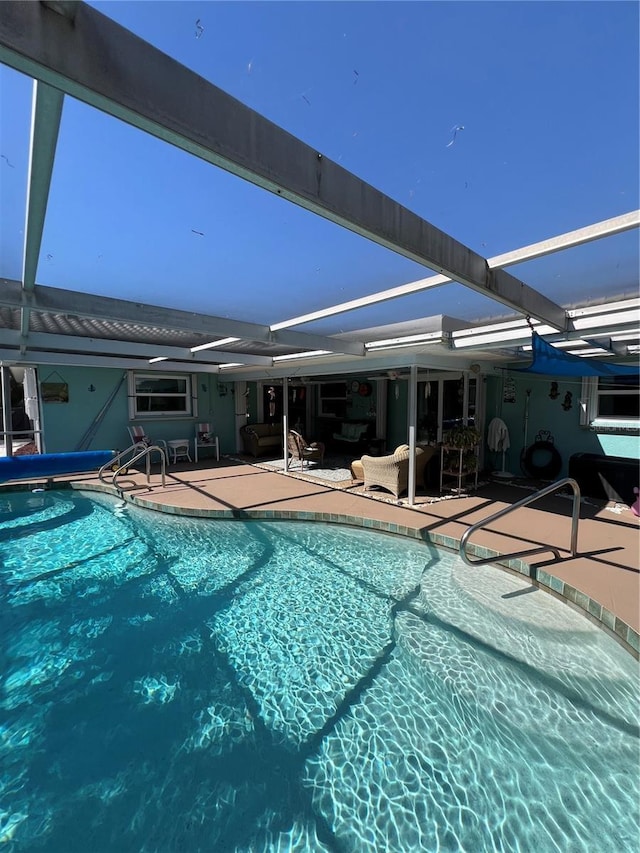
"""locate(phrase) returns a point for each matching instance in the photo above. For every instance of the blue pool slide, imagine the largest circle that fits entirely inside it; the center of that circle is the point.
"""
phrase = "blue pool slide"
(49, 464)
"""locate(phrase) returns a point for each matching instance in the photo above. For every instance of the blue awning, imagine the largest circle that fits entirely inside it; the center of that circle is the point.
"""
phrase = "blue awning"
(555, 362)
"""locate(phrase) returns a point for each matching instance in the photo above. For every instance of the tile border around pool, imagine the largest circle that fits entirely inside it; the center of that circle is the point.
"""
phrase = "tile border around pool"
(589, 607)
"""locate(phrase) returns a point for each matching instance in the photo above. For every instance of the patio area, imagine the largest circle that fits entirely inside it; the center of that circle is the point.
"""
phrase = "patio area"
(603, 580)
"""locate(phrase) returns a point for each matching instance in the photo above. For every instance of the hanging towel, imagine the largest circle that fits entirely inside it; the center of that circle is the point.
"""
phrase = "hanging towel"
(498, 435)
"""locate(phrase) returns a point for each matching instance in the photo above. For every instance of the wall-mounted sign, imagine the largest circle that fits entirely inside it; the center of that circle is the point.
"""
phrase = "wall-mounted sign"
(54, 392)
(509, 391)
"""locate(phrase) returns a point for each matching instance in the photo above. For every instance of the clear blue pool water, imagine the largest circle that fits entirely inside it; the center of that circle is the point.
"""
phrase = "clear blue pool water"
(173, 684)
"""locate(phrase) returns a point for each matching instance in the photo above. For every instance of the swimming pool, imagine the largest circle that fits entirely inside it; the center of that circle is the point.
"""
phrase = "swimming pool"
(176, 684)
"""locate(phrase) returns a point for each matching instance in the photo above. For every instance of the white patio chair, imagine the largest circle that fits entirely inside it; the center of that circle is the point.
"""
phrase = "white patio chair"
(205, 438)
(139, 436)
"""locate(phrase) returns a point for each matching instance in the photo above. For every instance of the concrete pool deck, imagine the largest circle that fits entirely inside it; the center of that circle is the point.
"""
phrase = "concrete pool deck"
(603, 580)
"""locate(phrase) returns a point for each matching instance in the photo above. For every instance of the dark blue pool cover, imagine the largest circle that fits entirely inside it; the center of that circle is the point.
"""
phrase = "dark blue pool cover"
(48, 464)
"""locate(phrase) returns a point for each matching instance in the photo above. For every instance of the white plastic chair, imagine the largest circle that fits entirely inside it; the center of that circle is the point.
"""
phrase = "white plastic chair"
(205, 438)
(139, 436)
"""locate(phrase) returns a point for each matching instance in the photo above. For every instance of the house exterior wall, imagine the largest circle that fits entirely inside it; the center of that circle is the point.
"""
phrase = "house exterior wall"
(546, 413)
(362, 408)
(65, 424)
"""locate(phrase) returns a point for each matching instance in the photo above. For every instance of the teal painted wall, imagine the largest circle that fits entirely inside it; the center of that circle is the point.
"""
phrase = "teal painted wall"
(362, 408)
(548, 414)
(65, 424)
(216, 404)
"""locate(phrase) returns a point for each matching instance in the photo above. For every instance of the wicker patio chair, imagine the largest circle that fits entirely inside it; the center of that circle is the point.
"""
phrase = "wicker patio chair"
(392, 472)
(302, 451)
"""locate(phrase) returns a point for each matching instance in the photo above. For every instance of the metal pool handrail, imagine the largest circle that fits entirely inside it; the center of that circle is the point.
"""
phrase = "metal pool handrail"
(144, 453)
(554, 487)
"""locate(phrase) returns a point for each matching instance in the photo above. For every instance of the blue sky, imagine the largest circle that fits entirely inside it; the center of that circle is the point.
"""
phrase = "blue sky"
(547, 94)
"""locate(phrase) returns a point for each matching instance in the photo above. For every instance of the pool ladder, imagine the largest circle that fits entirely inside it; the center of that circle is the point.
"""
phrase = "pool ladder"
(139, 451)
(554, 487)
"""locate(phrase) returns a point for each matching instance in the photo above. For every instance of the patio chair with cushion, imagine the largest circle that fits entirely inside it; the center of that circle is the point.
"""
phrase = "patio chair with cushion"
(301, 450)
(206, 438)
(392, 472)
(139, 436)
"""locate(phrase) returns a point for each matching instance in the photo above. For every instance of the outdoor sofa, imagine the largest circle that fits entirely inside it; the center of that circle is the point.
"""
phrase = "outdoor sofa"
(262, 439)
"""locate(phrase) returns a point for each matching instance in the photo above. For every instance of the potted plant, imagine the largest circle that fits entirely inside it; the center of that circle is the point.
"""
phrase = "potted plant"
(462, 438)
(459, 443)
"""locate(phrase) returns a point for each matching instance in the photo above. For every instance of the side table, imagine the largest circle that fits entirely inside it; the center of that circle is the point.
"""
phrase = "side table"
(179, 449)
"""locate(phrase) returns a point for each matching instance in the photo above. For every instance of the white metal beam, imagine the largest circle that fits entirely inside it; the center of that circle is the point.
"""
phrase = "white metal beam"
(36, 357)
(116, 348)
(605, 308)
(45, 124)
(104, 65)
(606, 228)
(333, 365)
(520, 337)
(58, 301)
(317, 342)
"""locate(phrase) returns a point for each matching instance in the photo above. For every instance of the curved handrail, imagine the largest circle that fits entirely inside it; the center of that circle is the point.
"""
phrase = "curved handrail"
(144, 453)
(554, 487)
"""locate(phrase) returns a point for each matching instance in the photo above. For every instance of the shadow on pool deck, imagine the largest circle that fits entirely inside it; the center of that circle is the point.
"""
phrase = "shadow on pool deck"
(605, 570)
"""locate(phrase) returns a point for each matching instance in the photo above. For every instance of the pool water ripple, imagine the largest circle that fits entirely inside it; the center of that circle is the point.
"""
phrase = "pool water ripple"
(180, 684)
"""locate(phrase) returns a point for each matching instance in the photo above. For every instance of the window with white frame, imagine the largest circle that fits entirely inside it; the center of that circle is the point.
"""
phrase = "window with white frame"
(157, 395)
(611, 401)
